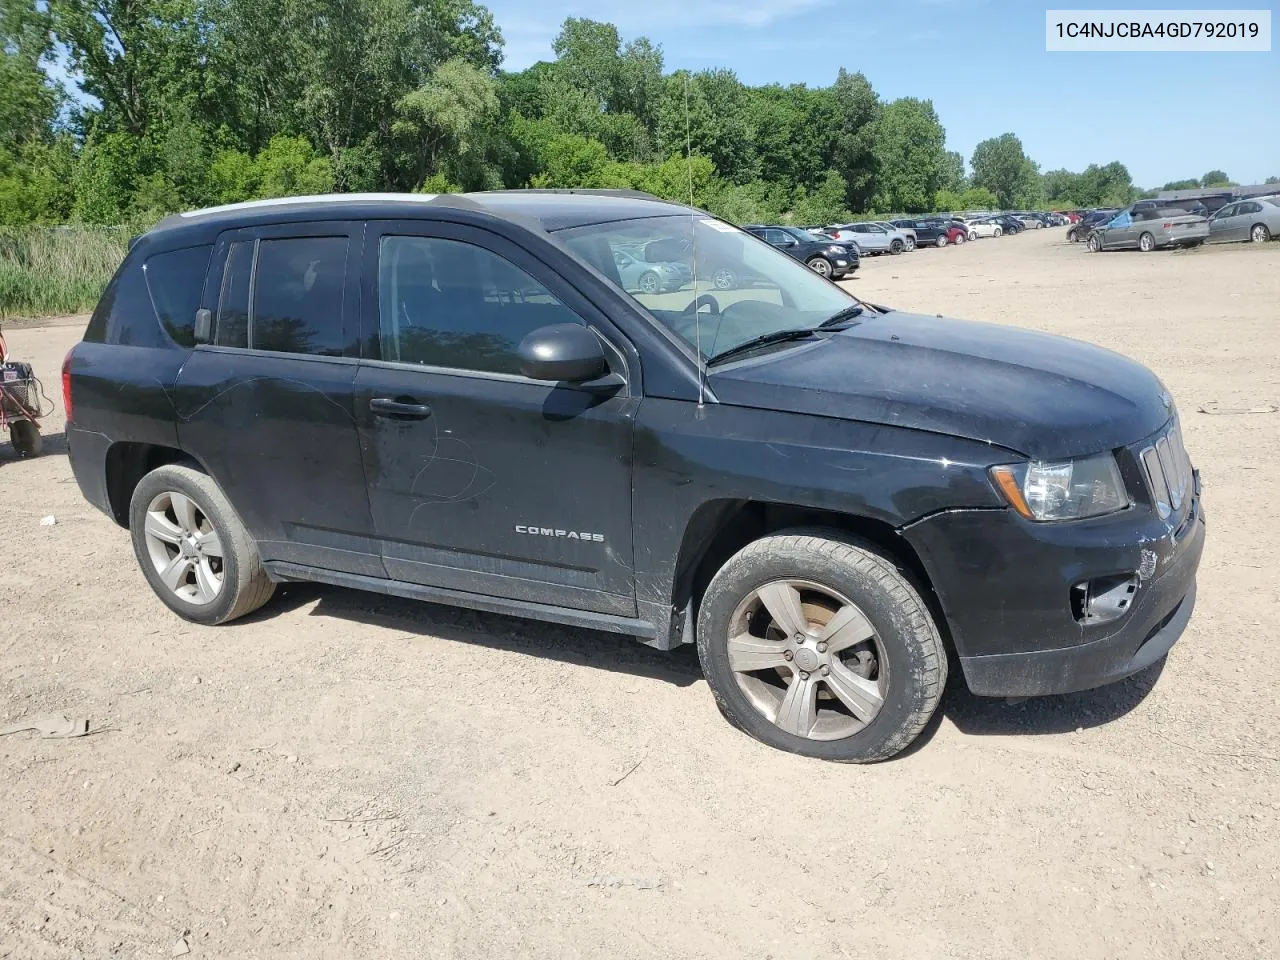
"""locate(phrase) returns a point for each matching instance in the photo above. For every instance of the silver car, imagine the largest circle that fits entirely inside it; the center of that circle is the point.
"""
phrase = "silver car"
(1256, 219)
(1148, 228)
(645, 277)
(872, 237)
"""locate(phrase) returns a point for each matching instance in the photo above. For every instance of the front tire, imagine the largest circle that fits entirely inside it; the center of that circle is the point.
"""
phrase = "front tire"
(1146, 243)
(815, 643)
(1259, 233)
(649, 282)
(193, 548)
(1094, 244)
(941, 241)
(820, 265)
(25, 437)
(895, 248)
(724, 279)
(960, 238)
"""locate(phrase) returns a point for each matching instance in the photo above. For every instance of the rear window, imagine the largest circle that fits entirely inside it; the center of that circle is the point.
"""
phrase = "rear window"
(175, 281)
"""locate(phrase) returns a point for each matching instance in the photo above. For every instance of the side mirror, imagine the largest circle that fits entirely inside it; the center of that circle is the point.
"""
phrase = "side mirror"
(203, 325)
(564, 352)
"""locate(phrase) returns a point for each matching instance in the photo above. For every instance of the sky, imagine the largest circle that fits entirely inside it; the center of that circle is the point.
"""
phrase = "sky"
(1165, 116)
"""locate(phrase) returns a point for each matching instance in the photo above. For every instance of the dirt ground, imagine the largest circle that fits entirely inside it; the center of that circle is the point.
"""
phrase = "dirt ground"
(344, 775)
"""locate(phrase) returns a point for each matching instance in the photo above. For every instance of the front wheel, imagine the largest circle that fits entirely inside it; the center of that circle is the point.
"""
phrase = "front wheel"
(820, 265)
(941, 241)
(960, 238)
(25, 437)
(815, 643)
(1146, 243)
(649, 282)
(193, 549)
(1094, 244)
(724, 279)
(895, 248)
(1259, 233)
(911, 244)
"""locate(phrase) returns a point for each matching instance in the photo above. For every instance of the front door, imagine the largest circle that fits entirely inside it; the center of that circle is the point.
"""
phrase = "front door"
(267, 405)
(481, 479)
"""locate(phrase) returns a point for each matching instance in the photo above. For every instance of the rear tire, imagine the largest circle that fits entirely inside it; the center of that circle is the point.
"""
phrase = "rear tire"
(960, 238)
(1259, 233)
(941, 241)
(890, 663)
(25, 437)
(209, 547)
(1094, 244)
(649, 282)
(997, 232)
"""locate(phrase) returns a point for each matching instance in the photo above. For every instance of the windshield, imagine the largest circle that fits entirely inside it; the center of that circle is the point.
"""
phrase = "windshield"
(745, 288)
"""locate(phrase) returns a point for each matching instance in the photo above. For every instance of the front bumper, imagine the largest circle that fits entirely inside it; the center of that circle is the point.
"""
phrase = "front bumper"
(1005, 586)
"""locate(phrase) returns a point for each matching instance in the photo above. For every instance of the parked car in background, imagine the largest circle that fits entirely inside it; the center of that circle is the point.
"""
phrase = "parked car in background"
(1010, 225)
(823, 257)
(1257, 220)
(926, 231)
(1031, 221)
(908, 234)
(987, 227)
(872, 238)
(1079, 232)
(638, 274)
(969, 232)
(1149, 228)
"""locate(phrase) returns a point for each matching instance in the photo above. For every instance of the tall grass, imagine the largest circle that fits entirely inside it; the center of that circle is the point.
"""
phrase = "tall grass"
(48, 271)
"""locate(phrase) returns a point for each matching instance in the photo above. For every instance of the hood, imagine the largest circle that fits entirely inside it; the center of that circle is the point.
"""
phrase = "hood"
(1044, 396)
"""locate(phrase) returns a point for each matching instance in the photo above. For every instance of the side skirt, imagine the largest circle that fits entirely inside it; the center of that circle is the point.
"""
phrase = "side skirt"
(643, 630)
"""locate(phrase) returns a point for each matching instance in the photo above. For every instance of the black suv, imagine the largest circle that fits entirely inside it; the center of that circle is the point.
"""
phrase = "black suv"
(456, 399)
(826, 256)
(927, 231)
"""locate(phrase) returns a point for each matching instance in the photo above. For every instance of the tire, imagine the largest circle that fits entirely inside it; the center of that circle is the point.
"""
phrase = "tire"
(1259, 233)
(997, 232)
(819, 265)
(960, 238)
(649, 282)
(242, 585)
(1094, 244)
(724, 279)
(911, 244)
(25, 437)
(895, 248)
(1146, 243)
(896, 674)
(941, 241)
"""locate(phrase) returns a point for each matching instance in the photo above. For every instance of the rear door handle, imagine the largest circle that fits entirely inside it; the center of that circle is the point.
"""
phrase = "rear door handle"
(399, 409)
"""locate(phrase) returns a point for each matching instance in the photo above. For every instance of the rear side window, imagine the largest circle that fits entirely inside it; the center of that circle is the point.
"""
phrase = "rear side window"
(175, 281)
(124, 314)
(284, 295)
(297, 295)
(446, 303)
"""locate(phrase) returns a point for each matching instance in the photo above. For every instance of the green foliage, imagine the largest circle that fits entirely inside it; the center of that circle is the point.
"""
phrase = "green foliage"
(1001, 165)
(49, 271)
(910, 149)
(1105, 186)
(824, 204)
(1216, 178)
(1272, 180)
(36, 183)
(1181, 185)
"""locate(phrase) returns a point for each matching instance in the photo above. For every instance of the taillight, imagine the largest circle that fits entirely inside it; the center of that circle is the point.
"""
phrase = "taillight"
(1168, 226)
(66, 383)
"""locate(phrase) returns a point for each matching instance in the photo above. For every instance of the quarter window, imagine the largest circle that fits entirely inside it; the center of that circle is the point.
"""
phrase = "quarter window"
(233, 300)
(447, 303)
(175, 281)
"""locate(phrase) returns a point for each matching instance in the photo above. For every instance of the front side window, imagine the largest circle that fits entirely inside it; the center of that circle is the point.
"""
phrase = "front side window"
(744, 288)
(447, 303)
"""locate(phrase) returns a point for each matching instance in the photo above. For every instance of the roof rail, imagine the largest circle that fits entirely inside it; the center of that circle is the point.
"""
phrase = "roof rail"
(590, 191)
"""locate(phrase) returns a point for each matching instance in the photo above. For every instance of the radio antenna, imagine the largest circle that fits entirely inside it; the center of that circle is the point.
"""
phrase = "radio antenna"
(693, 248)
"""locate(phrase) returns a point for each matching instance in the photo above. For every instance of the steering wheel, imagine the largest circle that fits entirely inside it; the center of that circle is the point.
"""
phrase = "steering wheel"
(702, 300)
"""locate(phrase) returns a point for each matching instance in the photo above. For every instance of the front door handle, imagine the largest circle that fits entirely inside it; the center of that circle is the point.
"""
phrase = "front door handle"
(399, 409)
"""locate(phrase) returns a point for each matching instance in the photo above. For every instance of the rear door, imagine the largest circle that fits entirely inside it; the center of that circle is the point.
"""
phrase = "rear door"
(481, 479)
(267, 405)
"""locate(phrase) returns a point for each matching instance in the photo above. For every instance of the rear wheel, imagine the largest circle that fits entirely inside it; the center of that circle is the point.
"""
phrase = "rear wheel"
(941, 241)
(193, 549)
(997, 232)
(25, 437)
(820, 266)
(724, 279)
(1259, 233)
(1146, 243)
(1094, 244)
(815, 643)
(960, 238)
(911, 244)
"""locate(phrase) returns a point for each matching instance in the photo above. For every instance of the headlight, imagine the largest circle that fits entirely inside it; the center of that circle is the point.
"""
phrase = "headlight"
(839, 250)
(1063, 490)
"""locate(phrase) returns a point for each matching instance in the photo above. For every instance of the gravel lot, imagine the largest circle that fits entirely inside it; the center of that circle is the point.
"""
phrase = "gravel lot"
(344, 775)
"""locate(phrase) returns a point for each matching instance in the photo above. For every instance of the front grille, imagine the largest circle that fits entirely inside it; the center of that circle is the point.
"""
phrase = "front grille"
(1168, 470)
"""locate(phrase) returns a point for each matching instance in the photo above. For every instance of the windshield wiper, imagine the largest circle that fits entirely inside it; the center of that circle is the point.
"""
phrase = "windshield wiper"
(777, 336)
(841, 316)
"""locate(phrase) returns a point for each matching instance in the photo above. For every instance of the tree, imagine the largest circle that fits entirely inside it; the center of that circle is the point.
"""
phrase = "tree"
(717, 124)
(909, 145)
(1181, 185)
(1272, 180)
(29, 101)
(444, 125)
(953, 177)
(824, 204)
(1001, 165)
(590, 57)
(1216, 178)
(852, 151)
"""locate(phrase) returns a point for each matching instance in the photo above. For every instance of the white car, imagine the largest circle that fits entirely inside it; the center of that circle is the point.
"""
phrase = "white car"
(985, 228)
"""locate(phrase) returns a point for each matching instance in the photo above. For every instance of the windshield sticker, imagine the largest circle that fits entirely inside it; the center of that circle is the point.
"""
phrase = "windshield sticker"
(719, 225)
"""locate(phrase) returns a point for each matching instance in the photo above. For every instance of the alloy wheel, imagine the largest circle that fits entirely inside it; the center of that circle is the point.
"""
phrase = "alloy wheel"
(184, 548)
(1259, 234)
(808, 660)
